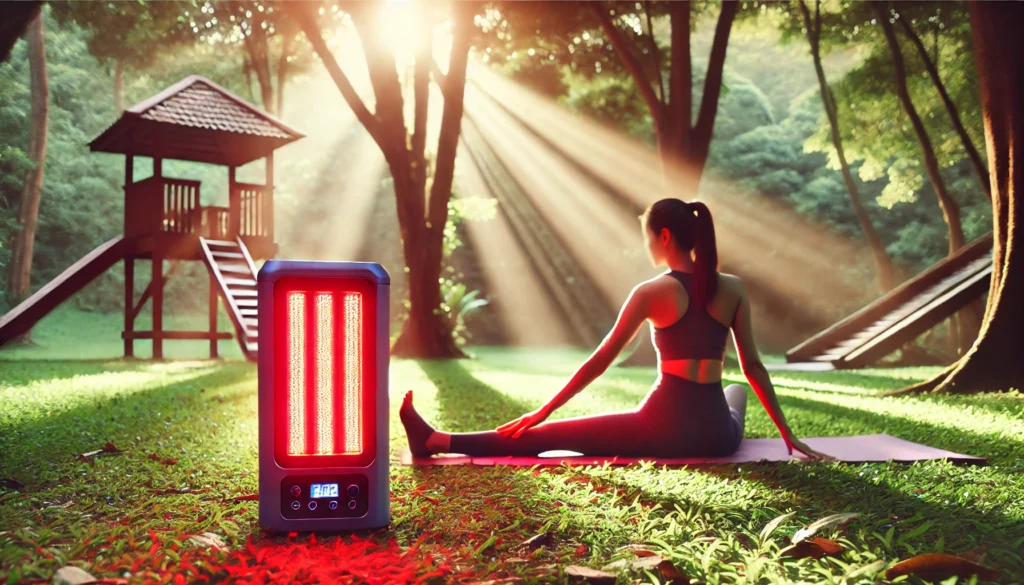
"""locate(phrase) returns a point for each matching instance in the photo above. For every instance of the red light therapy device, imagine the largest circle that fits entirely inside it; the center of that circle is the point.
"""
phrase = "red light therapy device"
(323, 395)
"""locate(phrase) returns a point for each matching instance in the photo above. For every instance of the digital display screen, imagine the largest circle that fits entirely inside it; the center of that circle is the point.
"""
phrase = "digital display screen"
(323, 490)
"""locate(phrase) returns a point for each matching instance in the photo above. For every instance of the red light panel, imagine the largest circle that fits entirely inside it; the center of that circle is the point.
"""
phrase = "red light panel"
(323, 371)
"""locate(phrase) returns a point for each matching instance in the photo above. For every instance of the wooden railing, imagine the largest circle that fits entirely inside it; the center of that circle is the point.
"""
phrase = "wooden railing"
(216, 223)
(255, 214)
(172, 206)
(180, 206)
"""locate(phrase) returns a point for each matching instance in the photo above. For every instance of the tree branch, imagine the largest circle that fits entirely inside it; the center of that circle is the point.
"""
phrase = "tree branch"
(947, 101)
(306, 19)
(630, 62)
(713, 80)
(451, 119)
(655, 53)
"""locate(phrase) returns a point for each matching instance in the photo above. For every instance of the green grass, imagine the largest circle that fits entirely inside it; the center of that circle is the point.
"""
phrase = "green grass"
(126, 515)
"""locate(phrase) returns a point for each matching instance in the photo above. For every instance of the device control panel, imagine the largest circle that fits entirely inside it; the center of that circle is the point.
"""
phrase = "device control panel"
(327, 496)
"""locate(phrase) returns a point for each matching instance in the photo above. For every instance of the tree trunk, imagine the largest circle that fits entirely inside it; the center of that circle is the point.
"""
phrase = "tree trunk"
(256, 45)
(993, 364)
(425, 334)
(119, 86)
(287, 41)
(20, 269)
(951, 109)
(883, 265)
(948, 205)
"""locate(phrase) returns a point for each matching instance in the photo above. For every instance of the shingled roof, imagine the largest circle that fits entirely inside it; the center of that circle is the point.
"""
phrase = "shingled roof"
(198, 120)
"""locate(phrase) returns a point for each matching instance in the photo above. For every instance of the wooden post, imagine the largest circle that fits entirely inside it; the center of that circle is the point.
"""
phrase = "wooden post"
(158, 304)
(268, 198)
(129, 267)
(214, 301)
(129, 305)
(234, 205)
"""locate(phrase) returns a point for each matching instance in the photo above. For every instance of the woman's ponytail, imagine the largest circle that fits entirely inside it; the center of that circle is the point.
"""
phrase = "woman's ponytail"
(694, 232)
(705, 255)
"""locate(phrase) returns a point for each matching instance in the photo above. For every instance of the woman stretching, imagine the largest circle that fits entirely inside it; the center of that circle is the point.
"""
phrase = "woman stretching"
(691, 308)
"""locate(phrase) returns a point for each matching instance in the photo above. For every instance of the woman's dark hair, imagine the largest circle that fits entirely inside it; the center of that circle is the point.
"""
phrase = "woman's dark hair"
(693, 230)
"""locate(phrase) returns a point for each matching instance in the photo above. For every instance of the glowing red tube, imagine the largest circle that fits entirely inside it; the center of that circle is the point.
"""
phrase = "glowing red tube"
(296, 373)
(353, 373)
(324, 391)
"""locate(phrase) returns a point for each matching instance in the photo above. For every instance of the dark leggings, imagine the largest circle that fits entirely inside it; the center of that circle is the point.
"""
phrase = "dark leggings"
(677, 418)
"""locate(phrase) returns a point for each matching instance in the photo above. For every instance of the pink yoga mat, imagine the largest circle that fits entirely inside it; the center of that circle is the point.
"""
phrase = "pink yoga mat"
(855, 449)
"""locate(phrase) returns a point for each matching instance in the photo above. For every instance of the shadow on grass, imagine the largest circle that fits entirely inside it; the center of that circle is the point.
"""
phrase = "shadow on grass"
(35, 448)
(466, 403)
(998, 448)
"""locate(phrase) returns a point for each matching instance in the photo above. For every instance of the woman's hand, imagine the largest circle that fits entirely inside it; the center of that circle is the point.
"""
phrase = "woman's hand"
(519, 426)
(794, 443)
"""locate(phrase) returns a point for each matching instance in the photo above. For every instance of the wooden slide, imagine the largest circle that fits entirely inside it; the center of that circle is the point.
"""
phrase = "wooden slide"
(20, 319)
(231, 266)
(906, 312)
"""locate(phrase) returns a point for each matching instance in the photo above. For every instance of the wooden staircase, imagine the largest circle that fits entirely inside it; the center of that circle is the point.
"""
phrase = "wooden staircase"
(906, 312)
(231, 266)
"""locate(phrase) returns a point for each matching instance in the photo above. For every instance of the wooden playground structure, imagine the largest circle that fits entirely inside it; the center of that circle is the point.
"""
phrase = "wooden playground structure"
(165, 221)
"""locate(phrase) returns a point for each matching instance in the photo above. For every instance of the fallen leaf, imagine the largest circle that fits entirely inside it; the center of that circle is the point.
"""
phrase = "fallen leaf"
(247, 498)
(578, 573)
(539, 540)
(207, 540)
(939, 567)
(111, 448)
(10, 483)
(71, 575)
(673, 574)
(581, 551)
(813, 547)
(165, 461)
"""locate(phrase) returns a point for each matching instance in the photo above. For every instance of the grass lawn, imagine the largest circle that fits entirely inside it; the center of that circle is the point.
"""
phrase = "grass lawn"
(187, 436)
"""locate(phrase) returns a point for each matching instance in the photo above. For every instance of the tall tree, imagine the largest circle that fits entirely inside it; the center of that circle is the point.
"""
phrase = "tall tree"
(947, 101)
(20, 268)
(993, 363)
(422, 203)
(883, 265)
(950, 208)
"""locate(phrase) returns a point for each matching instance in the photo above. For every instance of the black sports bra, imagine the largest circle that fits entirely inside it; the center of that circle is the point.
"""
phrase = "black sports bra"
(696, 335)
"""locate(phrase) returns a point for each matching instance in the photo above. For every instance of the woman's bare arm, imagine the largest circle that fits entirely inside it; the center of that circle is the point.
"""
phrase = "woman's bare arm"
(757, 375)
(751, 364)
(632, 315)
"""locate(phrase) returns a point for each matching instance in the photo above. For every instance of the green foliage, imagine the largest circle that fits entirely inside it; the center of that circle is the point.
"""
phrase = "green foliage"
(458, 303)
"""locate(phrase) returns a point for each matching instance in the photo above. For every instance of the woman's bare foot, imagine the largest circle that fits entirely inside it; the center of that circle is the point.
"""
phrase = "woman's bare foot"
(417, 430)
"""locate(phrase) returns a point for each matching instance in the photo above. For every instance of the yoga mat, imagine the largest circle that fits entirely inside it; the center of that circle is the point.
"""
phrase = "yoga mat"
(854, 449)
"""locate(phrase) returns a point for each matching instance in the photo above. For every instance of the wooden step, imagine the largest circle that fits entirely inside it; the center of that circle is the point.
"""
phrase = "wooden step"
(232, 255)
(249, 312)
(235, 268)
(239, 281)
(238, 292)
(246, 303)
(222, 244)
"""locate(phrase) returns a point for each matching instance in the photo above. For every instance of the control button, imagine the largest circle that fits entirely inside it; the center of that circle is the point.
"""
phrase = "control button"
(296, 491)
(352, 504)
(312, 505)
(353, 491)
(333, 504)
(296, 505)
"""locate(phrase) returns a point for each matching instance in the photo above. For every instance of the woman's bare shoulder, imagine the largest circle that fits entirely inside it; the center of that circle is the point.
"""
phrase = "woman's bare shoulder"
(732, 284)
